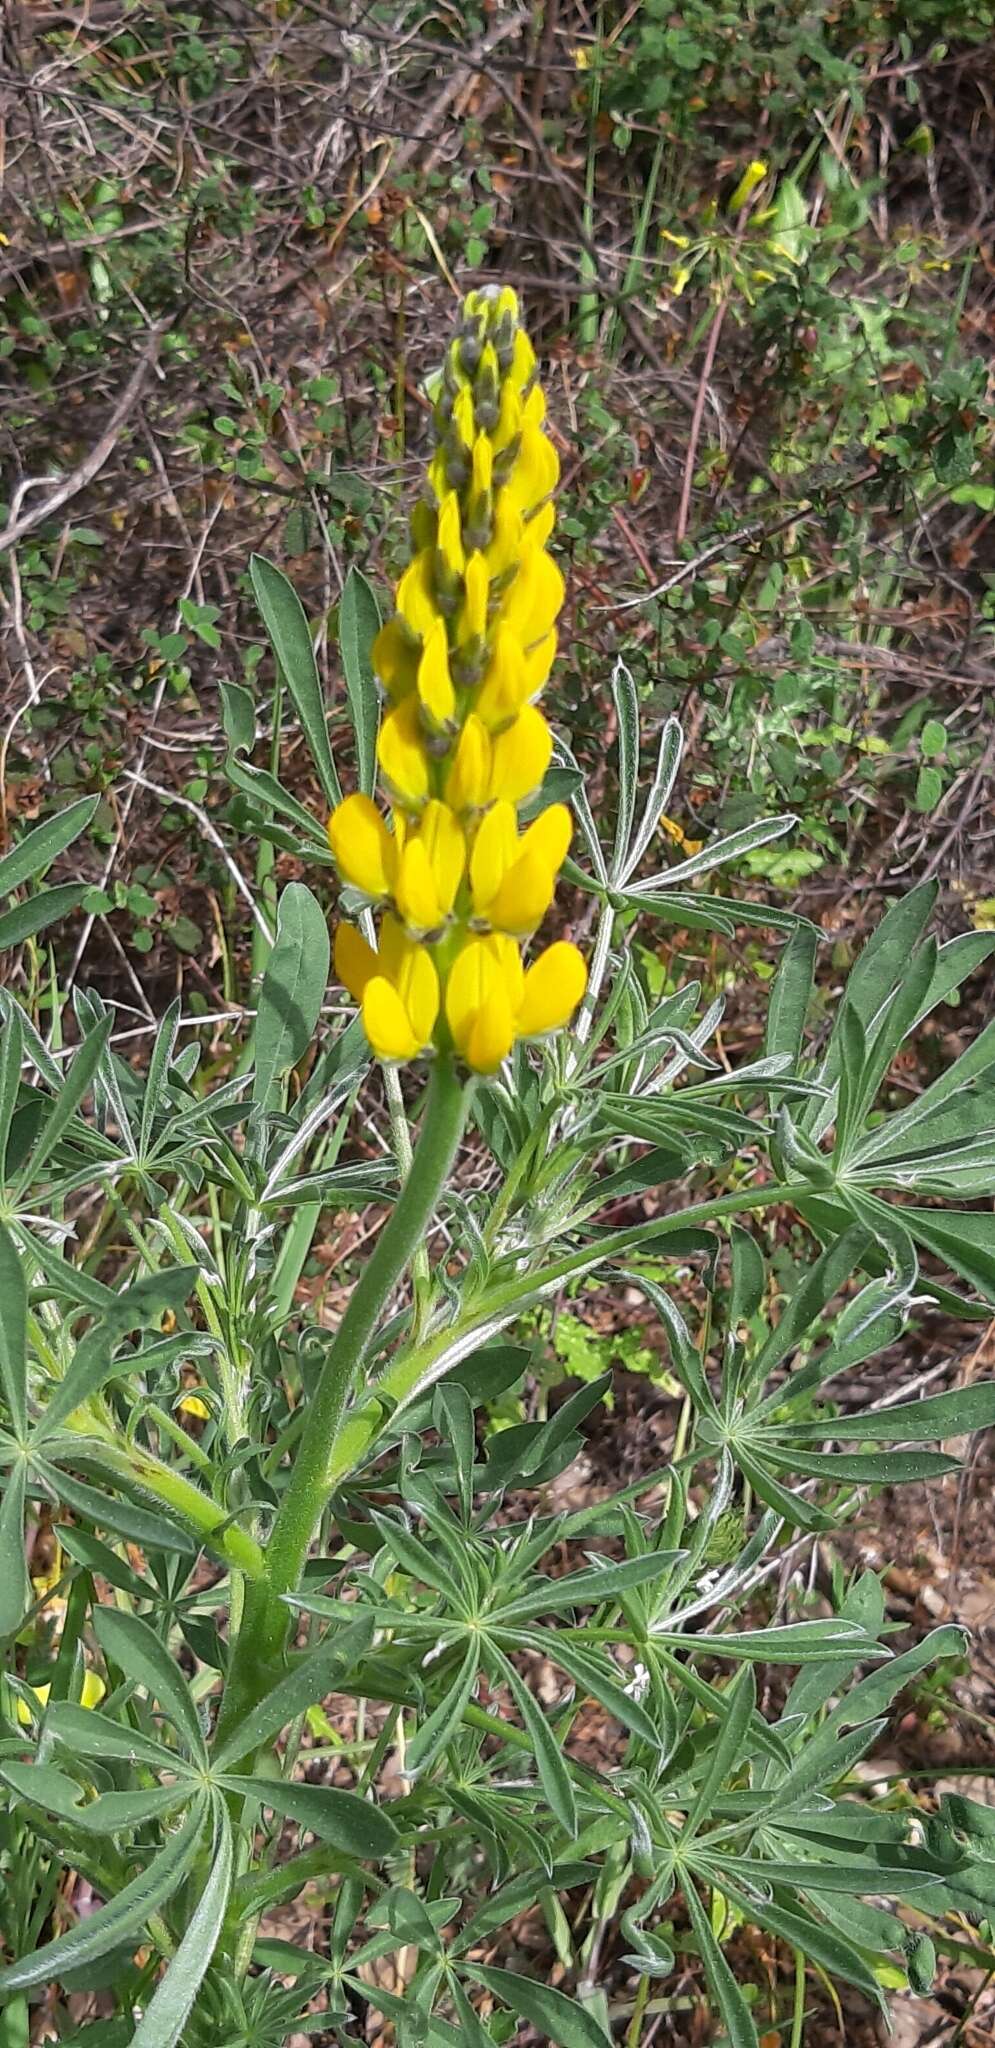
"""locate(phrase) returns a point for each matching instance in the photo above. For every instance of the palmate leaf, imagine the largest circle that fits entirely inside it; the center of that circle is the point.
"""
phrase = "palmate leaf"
(164, 2019)
(122, 1919)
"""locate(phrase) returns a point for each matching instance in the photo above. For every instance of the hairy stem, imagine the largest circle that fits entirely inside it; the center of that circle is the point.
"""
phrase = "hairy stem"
(266, 1620)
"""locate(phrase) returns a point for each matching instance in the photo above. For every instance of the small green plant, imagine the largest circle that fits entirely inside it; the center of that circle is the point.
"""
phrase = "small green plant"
(267, 1543)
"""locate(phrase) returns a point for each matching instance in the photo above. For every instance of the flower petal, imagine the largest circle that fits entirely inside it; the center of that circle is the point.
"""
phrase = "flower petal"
(362, 847)
(401, 754)
(553, 987)
(520, 756)
(355, 962)
(386, 1022)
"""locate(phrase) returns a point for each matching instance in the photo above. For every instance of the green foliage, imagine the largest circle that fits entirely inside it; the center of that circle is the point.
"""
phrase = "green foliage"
(171, 1792)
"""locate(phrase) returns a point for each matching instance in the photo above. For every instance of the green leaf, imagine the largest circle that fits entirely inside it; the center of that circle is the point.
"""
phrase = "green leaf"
(557, 2018)
(152, 1532)
(549, 1757)
(791, 994)
(627, 716)
(310, 1681)
(798, 1642)
(32, 854)
(124, 1916)
(155, 1080)
(728, 1750)
(164, 2019)
(86, 1732)
(13, 1332)
(31, 916)
(15, 1588)
(963, 1238)
(75, 1083)
(590, 1674)
(736, 2016)
(293, 989)
(433, 1734)
(283, 617)
(130, 1643)
(586, 1588)
(113, 1812)
(454, 1413)
(929, 1421)
(359, 623)
(11, 1055)
(343, 1819)
(95, 1556)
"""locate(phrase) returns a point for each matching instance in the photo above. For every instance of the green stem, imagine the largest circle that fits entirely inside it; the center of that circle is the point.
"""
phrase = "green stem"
(798, 2010)
(263, 1634)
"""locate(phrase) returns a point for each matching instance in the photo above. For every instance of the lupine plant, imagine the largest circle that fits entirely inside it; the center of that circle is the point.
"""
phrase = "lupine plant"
(277, 1588)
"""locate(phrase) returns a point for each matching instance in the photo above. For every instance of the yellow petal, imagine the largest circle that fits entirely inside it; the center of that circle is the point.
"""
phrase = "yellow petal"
(495, 850)
(509, 420)
(448, 538)
(472, 975)
(418, 988)
(395, 946)
(533, 600)
(483, 464)
(505, 688)
(362, 847)
(441, 835)
(753, 175)
(401, 753)
(416, 594)
(470, 779)
(548, 839)
(463, 420)
(523, 359)
(355, 962)
(538, 662)
(538, 527)
(520, 756)
(395, 659)
(386, 1022)
(435, 684)
(481, 998)
(492, 1033)
(554, 985)
(415, 892)
(507, 543)
(473, 617)
(508, 961)
(523, 896)
(536, 468)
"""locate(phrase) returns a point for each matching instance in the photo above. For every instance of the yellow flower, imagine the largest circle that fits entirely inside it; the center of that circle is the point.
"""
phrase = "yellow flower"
(401, 754)
(93, 1692)
(754, 175)
(435, 684)
(363, 849)
(491, 1000)
(467, 650)
(509, 766)
(397, 987)
(395, 658)
(513, 876)
(430, 869)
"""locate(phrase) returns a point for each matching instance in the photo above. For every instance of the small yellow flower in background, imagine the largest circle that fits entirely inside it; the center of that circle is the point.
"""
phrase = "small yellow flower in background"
(91, 1696)
(754, 175)
(677, 833)
(461, 661)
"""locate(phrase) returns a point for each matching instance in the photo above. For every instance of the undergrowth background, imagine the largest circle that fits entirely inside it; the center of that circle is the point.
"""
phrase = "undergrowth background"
(230, 244)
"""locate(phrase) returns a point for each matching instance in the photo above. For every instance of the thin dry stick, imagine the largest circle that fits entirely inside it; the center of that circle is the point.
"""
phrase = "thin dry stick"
(94, 460)
(697, 418)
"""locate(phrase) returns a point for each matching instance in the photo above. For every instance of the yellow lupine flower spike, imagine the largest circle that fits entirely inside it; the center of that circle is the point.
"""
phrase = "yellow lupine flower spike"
(462, 660)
